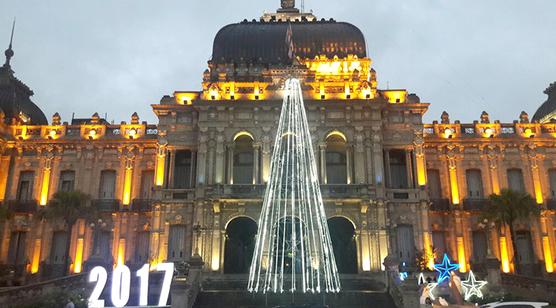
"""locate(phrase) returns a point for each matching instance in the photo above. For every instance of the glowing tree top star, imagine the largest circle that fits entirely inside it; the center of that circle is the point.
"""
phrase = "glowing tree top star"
(472, 286)
(445, 268)
(293, 249)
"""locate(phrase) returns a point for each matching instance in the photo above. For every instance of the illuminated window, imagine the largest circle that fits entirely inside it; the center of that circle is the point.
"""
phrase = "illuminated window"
(336, 160)
(243, 160)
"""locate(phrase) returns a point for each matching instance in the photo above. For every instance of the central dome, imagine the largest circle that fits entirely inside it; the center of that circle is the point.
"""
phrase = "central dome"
(265, 42)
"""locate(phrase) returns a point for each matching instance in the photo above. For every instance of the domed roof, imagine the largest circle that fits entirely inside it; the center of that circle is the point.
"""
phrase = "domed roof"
(265, 42)
(547, 111)
(15, 96)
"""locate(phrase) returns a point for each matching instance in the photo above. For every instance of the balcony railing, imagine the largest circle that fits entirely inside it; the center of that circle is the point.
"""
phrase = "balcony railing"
(107, 205)
(475, 204)
(141, 205)
(23, 206)
(551, 204)
(440, 205)
(343, 190)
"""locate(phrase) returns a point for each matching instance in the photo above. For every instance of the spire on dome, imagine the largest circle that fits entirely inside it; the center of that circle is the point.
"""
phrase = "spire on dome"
(9, 52)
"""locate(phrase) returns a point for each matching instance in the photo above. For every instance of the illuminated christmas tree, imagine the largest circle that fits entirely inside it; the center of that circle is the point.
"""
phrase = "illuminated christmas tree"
(293, 249)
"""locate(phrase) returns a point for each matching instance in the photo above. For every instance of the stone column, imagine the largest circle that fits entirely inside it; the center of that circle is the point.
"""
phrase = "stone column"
(256, 164)
(359, 165)
(349, 166)
(219, 163)
(322, 148)
(4, 171)
(201, 162)
(171, 167)
(230, 166)
(266, 159)
(409, 168)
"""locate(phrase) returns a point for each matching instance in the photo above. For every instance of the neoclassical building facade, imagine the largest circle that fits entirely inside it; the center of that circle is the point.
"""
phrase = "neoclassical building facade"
(194, 182)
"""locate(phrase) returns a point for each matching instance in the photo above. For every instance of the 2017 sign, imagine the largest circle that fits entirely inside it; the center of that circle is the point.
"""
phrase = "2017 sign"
(121, 281)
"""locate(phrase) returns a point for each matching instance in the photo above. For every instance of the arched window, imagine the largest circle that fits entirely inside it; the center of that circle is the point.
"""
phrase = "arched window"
(474, 184)
(243, 160)
(336, 159)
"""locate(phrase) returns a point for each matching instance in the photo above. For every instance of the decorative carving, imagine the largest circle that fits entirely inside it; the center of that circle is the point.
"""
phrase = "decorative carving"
(523, 117)
(485, 119)
(445, 118)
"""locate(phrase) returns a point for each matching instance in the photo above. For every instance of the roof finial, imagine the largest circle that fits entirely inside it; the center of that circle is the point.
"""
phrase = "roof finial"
(9, 52)
(288, 4)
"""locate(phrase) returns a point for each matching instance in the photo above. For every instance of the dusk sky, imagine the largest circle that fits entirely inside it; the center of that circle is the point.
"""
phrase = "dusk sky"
(121, 56)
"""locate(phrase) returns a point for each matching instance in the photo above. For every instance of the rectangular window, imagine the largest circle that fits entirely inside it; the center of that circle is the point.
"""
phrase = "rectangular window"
(433, 185)
(474, 184)
(107, 185)
(439, 243)
(515, 180)
(183, 169)
(398, 169)
(16, 250)
(67, 181)
(552, 179)
(406, 245)
(142, 247)
(25, 187)
(147, 184)
(58, 249)
(176, 243)
(479, 247)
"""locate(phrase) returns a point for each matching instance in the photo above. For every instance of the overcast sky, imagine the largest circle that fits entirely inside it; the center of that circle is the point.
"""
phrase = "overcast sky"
(121, 56)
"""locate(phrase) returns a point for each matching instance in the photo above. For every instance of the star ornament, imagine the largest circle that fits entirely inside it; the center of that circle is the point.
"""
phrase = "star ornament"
(445, 268)
(472, 286)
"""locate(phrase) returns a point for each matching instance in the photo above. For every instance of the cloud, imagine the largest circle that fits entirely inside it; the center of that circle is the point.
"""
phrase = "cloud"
(118, 57)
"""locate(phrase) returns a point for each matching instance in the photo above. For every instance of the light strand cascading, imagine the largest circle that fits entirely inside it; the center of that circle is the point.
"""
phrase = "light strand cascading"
(293, 249)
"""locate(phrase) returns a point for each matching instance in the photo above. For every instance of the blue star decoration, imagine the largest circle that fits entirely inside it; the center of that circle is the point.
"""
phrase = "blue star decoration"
(472, 286)
(445, 268)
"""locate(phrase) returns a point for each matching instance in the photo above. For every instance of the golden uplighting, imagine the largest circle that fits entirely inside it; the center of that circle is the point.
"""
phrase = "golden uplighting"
(78, 264)
(548, 261)
(45, 186)
(504, 254)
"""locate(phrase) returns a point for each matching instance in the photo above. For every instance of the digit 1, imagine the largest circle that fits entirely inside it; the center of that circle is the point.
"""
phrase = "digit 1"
(143, 275)
(121, 279)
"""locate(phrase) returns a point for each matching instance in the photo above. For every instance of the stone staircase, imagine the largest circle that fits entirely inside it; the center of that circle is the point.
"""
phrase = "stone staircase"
(230, 291)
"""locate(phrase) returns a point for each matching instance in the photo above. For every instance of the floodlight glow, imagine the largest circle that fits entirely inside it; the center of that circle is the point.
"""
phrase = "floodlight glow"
(293, 249)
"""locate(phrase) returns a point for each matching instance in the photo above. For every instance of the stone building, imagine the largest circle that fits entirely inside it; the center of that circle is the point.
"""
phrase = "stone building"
(194, 182)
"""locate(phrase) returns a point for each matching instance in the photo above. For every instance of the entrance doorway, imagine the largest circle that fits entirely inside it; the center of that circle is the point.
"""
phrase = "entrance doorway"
(239, 246)
(342, 234)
